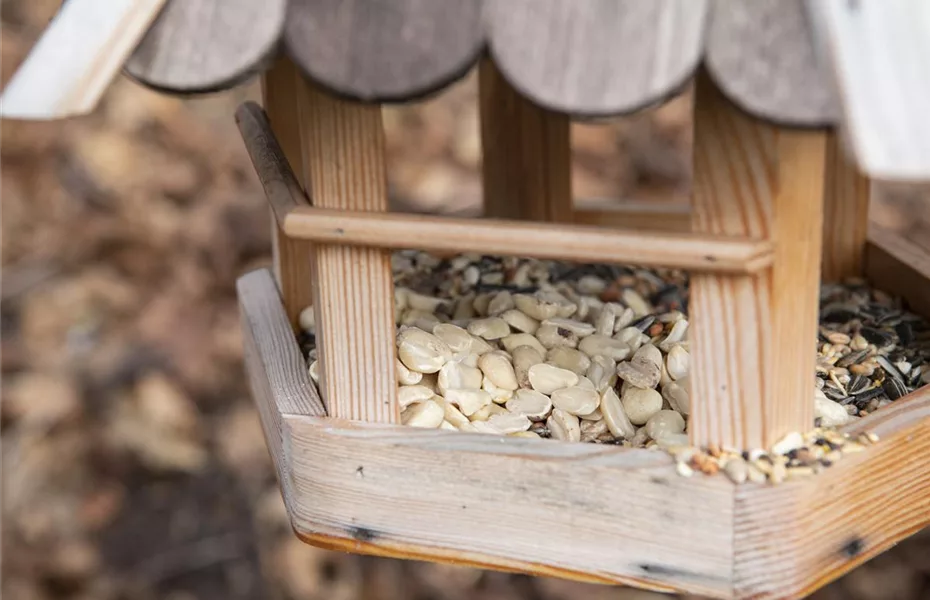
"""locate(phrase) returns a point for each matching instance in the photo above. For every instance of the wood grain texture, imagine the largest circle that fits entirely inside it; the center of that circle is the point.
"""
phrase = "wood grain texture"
(847, 193)
(78, 55)
(616, 514)
(880, 58)
(277, 373)
(762, 55)
(526, 154)
(753, 180)
(648, 216)
(384, 50)
(899, 266)
(275, 152)
(700, 253)
(207, 45)
(597, 57)
(343, 154)
(798, 537)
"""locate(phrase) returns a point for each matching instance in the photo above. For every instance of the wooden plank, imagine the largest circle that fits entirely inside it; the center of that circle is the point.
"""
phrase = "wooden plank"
(207, 45)
(526, 154)
(274, 162)
(880, 58)
(798, 537)
(762, 55)
(384, 50)
(898, 266)
(277, 373)
(78, 55)
(633, 215)
(343, 154)
(751, 335)
(598, 57)
(846, 214)
(542, 506)
(701, 253)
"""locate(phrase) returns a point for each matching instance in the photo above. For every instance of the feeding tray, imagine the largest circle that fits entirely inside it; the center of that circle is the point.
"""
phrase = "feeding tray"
(791, 124)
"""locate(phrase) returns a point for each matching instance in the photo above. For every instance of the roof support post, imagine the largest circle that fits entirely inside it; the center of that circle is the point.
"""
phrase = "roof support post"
(292, 258)
(753, 336)
(526, 163)
(847, 193)
(344, 164)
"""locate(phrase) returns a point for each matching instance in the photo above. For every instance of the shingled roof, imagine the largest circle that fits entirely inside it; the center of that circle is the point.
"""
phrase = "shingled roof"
(797, 62)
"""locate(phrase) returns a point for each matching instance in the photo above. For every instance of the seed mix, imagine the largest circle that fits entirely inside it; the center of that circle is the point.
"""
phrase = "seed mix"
(600, 354)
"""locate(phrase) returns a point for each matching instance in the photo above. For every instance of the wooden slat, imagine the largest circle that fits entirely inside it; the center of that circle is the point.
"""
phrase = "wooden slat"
(846, 214)
(880, 57)
(278, 181)
(762, 55)
(702, 253)
(278, 377)
(77, 57)
(607, 514)
(751, 335)
(793, 539)
(526, 154)
(343, 154)
(596, 57)
(207, 45)
(634, 215)
(274, 153)
(384, 50)
(899, 266)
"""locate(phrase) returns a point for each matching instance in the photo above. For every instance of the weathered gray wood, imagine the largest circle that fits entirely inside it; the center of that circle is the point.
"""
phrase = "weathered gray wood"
(596, 57)
(879, 52)
(762, 56)
(205, 45)
(384, 50)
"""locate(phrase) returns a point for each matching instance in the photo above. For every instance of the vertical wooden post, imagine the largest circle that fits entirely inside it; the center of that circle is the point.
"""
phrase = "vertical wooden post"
(753, 337)
(526, 154)
(847, 193)
(343, 153)
(292, 258)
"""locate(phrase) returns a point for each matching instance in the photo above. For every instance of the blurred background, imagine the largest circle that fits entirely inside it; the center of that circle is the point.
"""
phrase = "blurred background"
(134, 465)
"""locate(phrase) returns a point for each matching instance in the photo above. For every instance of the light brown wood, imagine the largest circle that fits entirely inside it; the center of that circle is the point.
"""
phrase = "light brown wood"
(526, 154)
(275, 153)
(80, 52)
(899, 266)
(793, 539)
(846, 214)
(878, 56)
(763, 56)
(700, 253)
(207, 45)
(579, 511)
(277, 373)
(343, 152)
(753, 180)
(649, 216)
(597, 57)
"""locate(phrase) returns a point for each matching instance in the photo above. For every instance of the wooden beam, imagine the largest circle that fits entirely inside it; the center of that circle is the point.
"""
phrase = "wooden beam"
(79, 54)
(751, 335)
(846, 214)
(281, 144)
(526, 153)
(707, 253)
(343, 154)
(651, 216)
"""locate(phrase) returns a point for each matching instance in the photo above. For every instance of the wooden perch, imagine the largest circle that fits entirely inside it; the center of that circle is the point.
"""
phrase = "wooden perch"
(77, 57)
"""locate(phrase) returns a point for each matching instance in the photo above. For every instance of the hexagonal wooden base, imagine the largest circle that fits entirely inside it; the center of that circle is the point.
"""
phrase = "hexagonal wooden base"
(579, 511)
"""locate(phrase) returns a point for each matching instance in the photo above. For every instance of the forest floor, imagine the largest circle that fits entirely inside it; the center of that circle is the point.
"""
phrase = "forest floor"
(134, 465)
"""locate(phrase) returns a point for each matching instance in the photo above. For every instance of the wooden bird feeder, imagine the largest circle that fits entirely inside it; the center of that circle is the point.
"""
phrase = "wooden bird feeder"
(798, 106)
